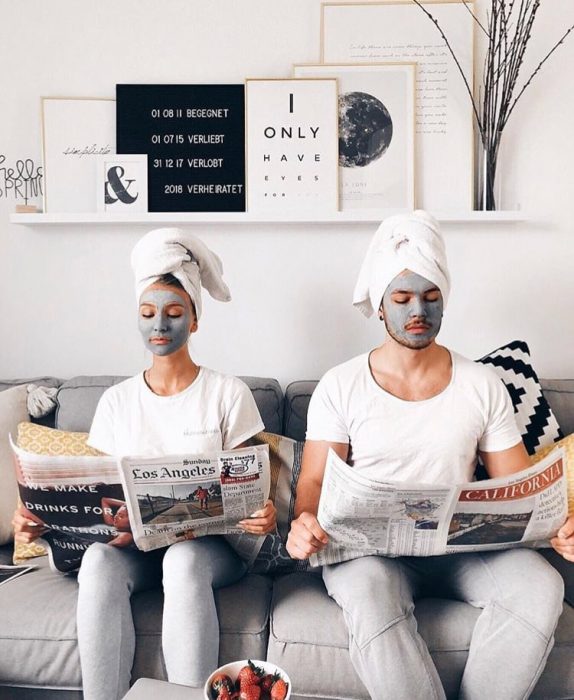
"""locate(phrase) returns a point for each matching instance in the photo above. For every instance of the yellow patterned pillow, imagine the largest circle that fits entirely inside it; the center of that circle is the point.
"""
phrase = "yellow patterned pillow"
(568, 444)
(48, 441)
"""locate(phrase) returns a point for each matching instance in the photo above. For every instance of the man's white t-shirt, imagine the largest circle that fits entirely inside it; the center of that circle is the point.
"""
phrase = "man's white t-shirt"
(432, 441)
(215, 412)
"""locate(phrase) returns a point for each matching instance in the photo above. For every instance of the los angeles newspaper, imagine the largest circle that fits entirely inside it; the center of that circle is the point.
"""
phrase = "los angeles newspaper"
(143, 502)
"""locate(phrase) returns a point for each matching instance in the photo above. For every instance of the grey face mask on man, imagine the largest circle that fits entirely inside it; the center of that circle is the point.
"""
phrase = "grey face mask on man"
(165, 320)
(412, 309)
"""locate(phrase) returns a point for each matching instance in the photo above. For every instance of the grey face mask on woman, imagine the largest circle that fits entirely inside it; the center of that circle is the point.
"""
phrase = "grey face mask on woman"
(165, 321)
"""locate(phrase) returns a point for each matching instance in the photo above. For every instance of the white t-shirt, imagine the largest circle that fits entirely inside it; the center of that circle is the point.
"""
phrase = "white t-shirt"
(432, 441)
(215, 412)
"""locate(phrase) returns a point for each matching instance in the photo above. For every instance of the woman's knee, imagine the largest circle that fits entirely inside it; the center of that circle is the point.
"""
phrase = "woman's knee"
(188, 561)
(99, 565)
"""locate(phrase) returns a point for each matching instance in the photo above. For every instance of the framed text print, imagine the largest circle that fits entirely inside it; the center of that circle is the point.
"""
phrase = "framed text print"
(292, 145)
(122, 183)
(376, 133)
(74, 132)
(392, 30)
(194, 137)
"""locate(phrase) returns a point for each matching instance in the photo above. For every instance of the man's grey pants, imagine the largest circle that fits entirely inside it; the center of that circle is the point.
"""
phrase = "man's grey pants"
(519, 592)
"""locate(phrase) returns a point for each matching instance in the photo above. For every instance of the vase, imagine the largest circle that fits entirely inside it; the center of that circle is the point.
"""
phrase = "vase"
(489, 178)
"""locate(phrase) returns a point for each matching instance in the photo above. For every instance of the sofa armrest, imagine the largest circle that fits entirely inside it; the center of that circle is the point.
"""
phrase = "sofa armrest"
(566, 570)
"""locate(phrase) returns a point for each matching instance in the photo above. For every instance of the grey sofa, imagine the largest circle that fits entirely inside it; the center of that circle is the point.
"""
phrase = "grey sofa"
(288, 619)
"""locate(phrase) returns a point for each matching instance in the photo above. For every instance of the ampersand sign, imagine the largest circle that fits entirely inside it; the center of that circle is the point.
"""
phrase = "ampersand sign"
(119, 188)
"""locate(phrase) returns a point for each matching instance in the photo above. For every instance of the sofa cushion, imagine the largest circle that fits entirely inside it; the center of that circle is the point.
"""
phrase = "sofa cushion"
(38, 641)
(309, 639)
(13, 410)
(285, 467)
(534, 418)
(78, 397)
(560, 395)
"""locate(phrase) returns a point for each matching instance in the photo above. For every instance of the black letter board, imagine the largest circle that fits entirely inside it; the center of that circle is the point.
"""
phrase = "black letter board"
(194, 137)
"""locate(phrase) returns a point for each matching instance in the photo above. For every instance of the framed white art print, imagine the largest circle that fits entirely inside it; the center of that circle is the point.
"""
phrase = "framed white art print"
(376, 132)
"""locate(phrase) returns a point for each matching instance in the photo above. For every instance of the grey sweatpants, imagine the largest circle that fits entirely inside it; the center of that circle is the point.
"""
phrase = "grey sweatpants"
(521, 599)
(190, 631)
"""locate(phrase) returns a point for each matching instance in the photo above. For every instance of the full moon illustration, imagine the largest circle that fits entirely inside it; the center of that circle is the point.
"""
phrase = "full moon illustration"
(365, 129)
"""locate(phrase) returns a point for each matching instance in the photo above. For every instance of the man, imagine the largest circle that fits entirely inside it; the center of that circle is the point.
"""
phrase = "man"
(411, 410)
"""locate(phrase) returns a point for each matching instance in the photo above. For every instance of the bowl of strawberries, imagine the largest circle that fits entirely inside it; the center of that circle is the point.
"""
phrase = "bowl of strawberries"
(248, 680)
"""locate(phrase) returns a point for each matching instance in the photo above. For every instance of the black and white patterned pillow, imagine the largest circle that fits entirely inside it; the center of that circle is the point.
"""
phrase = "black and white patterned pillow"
(534, 417)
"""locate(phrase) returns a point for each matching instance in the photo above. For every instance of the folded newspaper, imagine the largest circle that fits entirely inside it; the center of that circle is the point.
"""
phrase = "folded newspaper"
(364, 517)
(76, 501)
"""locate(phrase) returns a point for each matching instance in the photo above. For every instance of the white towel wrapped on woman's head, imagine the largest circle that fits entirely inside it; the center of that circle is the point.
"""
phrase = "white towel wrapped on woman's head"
(180, 253)
(402, 242)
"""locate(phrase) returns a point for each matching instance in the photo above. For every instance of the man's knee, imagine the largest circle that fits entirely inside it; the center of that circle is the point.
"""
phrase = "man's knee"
(372, 593)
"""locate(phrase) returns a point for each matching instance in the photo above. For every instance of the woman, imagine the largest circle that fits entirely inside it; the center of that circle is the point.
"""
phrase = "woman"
(175, 406)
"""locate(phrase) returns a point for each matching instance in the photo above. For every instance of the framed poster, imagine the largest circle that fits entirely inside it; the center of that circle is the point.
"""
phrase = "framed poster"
(194, 137)
(292, 150)
(121, 183)
(376, 132)
(74, 132)
(392, 30)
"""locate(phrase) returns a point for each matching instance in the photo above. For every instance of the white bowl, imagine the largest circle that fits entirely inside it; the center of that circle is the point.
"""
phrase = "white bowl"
(232, 669)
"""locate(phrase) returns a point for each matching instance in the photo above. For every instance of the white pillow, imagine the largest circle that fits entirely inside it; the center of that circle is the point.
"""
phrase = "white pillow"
(13, 410)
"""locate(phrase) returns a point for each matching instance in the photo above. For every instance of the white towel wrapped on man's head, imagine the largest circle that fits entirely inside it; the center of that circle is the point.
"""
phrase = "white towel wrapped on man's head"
(402, 242)
(182, 254)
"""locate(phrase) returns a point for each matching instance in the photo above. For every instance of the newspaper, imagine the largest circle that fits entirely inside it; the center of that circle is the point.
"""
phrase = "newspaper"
(79, 500)
(364, 517)
(75, 501)
(209, 494)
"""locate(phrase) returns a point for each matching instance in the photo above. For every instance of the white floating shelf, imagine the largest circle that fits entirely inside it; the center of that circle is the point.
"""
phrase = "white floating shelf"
(353, 216)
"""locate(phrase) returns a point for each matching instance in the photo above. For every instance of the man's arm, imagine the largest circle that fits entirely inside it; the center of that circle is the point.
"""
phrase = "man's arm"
(505, 462)
(514, 460)
(306, 536)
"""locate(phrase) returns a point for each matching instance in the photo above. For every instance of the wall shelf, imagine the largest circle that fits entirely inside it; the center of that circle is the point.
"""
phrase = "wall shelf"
(341, 217)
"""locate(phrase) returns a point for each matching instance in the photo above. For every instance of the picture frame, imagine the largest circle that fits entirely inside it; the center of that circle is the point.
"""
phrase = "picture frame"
(398, 30)
(376, 132)
(122, 183)
(75, 130)
(292, 145)
(194, 136)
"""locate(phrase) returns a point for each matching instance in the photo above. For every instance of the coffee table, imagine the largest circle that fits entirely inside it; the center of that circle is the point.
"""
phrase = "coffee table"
(150, 689)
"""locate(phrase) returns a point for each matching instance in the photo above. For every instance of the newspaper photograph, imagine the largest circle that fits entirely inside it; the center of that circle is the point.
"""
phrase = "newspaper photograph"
(365, 517)
(207, 494)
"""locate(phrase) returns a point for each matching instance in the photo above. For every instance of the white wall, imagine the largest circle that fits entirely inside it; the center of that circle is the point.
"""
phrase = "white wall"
(67, 305)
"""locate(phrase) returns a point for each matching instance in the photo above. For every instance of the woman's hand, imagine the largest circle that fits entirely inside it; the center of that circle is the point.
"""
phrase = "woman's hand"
(563, 543)
(27, 526)
(262, 521)
(122, 539)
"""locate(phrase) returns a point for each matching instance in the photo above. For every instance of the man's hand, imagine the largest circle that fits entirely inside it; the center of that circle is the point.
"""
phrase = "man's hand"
(27, 526)
(306, 537)
(563, 543)
(262, 521)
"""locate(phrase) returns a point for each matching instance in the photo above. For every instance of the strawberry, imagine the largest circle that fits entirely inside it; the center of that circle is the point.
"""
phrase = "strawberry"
(279, 690)
(249, 675)
(250, 692)
(267, 681)
(220, 682)
(224, 694)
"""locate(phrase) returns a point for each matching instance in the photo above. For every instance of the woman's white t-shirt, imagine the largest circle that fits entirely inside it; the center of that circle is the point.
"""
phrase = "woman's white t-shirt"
(215, 412)
(432, 441)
